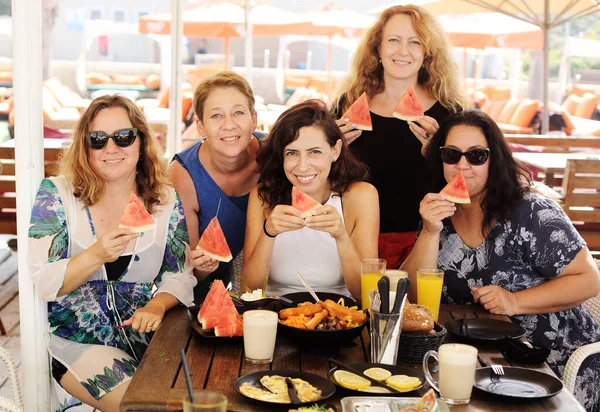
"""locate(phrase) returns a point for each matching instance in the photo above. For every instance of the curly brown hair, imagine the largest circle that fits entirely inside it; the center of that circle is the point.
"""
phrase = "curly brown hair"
(276, 188)
(438, 75)
(151, 177)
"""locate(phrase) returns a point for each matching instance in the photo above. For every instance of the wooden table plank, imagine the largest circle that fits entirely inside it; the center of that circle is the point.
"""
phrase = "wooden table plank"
(159, 386)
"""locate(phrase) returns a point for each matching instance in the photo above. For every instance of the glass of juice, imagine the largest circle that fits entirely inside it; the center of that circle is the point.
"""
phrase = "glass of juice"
(260, 332)
(429, 289)
(371, 270)
(205, 401)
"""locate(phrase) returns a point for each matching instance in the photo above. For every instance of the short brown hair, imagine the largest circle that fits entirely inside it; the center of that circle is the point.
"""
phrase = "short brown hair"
(151, 177)
(221, 80)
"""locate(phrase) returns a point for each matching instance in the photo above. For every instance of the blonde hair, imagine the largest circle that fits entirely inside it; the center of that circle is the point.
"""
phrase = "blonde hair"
(221, 80)
(438, 74)
(151, 177)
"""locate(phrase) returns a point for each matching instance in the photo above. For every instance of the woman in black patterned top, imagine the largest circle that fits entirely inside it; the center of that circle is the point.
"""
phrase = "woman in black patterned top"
(511, 249)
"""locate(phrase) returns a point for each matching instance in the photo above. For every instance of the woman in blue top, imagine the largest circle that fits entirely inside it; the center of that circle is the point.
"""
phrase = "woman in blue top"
(220, 168)
(510, 250)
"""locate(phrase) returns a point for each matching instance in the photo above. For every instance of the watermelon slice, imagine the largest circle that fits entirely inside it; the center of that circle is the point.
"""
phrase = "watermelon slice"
(213, 242)
(303, 202)
(359, 113)
(136, 216)
(456, 190)
(218, 312)
(409, 108)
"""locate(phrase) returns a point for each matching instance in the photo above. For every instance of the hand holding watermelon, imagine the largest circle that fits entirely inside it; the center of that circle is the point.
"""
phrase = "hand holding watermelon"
(203, 264)
(113, 244)
(327, 219)
(348, 129)
(424, 129)
(283, 219)
(433, 209)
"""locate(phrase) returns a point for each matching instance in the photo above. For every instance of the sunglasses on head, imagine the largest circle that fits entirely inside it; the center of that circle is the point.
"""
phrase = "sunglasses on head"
(122, 138)
(476, 156)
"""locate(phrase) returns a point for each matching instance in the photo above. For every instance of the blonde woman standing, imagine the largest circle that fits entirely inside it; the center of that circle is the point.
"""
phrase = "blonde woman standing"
(406, 46)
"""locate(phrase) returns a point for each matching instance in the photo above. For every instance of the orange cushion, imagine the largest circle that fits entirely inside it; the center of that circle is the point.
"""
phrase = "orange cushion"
(163, 97)
(525, 113)
(497, 107)
(499, 93)
(153, 81)
(186, 104)
(508, 110)
(127, 79)
(487, 106)
(6, 76)
(479, 98)
(98, 78)
(587, 106)
(569, 125)
(571, 102)
(581, 89)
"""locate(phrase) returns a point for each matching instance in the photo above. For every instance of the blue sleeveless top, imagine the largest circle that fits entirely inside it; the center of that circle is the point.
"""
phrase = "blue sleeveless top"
(232, 213)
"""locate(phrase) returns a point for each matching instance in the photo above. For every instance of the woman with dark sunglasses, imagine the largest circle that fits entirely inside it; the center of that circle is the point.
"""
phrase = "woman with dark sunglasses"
(218, 172)
(107, 288)
(511, 250)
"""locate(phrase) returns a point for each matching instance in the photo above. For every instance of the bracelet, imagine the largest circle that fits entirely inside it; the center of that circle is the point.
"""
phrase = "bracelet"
(265, 230)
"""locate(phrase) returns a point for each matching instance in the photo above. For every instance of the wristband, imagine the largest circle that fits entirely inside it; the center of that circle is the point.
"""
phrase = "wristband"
(265, 230)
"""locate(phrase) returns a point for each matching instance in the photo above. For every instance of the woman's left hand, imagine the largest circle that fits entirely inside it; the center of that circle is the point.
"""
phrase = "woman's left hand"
(327, 219)
(497, 300)
(424, 129)
(146, 319)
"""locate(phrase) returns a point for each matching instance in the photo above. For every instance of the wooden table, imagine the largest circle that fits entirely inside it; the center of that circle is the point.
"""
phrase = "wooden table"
(551, 164)
(159, 383)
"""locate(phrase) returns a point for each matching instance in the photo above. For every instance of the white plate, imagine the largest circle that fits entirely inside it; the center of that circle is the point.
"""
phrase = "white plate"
(384, 404)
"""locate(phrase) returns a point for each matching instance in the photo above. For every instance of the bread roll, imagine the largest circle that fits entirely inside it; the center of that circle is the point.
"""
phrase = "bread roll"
(416, 318)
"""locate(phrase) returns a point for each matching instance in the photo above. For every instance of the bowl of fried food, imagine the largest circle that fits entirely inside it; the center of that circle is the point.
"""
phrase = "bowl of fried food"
(323, 323)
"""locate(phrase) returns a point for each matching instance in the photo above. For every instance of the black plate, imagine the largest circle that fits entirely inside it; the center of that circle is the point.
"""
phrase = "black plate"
(319, 338)
(396, 370)
(485, 329)
(518, 383)
(327, 388)
(192, 314)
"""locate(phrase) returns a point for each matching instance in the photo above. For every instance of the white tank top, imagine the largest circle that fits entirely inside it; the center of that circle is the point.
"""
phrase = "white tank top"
(310, 252)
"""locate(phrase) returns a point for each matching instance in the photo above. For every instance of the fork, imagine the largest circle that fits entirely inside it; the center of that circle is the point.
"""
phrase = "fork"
(498, 371)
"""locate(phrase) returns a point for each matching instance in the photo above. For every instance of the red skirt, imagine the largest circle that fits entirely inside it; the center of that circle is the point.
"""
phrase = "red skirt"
(395, 247)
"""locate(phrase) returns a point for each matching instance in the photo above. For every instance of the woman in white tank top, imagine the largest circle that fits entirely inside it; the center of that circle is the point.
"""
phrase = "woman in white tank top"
(305, 149)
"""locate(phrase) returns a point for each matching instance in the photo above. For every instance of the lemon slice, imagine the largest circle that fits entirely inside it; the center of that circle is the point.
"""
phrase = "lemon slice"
(403, 382)
(379, 374)
(374, 389)
(350, 380)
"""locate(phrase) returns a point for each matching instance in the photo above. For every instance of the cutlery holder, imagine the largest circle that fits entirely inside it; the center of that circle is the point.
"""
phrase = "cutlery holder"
(414, 345)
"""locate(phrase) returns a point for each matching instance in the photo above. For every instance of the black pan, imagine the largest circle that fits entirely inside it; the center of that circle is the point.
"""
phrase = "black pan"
(319, 338)
(192, 314)
(484, 329)
(327, 388)
(517, 383)
(395, 370)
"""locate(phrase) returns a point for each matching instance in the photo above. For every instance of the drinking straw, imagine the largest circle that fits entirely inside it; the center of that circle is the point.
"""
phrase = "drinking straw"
(188, 379)
(218, 207)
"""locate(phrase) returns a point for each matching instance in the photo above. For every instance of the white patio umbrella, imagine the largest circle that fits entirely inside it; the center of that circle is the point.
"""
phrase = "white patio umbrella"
(546, 14)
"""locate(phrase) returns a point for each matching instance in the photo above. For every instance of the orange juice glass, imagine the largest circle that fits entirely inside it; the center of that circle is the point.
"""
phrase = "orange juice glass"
(429, 289)
(371, 270)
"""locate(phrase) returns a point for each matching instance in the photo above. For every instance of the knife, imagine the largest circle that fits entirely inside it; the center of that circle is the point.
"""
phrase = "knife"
(308, 287)
(392, 329)
(383, 285)
(292, 392)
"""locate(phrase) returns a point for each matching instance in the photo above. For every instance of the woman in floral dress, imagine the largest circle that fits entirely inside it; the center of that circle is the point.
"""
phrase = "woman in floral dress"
(96, 276)
(511, 250)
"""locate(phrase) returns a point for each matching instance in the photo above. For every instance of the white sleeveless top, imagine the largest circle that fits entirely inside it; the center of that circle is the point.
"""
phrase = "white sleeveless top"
(310, 252)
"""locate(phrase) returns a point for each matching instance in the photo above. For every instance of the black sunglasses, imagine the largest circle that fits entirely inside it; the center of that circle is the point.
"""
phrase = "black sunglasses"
(476, 156)
(122, 138)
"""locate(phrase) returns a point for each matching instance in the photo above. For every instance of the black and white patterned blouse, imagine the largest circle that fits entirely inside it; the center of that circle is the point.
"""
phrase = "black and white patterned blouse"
(534, 246)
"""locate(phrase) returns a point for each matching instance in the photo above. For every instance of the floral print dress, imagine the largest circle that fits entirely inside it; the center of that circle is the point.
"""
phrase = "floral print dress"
(531, 248)
(82, 323)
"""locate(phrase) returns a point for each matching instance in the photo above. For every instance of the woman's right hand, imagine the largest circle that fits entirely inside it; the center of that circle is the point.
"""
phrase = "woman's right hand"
(204, 265)
(113, 244)
(349, 130)
(284, 218)
(433, 209)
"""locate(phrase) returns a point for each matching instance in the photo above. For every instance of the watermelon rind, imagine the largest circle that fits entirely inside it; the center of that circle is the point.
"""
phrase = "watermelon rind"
(454, 199)
(354, 111)
(364, 127)
(300, 199)
(406, 118)
(217, 257)
(139, 229)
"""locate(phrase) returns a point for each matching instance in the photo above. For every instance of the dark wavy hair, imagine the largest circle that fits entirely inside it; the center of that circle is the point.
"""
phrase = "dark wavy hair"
(508, 180)
(276, 188)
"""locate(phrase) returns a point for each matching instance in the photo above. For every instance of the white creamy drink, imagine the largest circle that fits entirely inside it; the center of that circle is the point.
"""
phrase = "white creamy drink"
(457, 371)
(260, 331)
